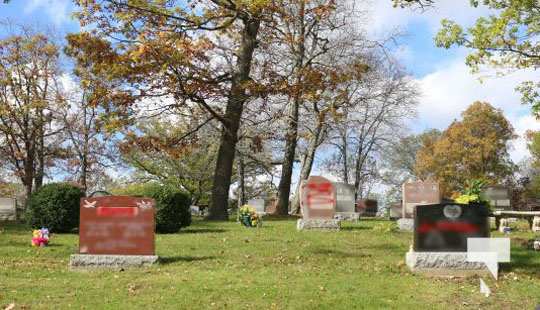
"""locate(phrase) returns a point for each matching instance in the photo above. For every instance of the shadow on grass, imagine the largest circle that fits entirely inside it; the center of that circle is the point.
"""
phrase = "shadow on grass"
(275, 218)
(16, 226)
(374, 219)
(174, 259)
(339, 253)
(385, 246)
(351, 228)
(523, 260)
(203, 231)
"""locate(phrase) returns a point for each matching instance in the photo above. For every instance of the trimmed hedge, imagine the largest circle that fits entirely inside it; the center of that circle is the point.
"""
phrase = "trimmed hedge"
(172, 208)
(172, 205)
(55, 206)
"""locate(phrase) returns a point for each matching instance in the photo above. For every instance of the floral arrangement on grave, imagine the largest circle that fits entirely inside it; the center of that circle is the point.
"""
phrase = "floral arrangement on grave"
(247, 215)
(40, 237)
(472, 193)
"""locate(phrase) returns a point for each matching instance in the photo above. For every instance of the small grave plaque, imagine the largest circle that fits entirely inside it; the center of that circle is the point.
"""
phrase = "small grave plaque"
(368, 207)
(498, 197)
(445, 227)
(344, 197)
(258, 204)
(396, 211)
(8, 211)
(117, 225)
(419, 193)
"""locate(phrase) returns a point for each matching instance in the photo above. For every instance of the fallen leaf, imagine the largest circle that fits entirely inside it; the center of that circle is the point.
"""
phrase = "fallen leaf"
(11, 306)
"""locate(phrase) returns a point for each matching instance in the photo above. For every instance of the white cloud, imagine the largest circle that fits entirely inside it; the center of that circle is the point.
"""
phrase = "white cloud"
(385, 18)
(452, 88)
(58, 10)
(522, 125)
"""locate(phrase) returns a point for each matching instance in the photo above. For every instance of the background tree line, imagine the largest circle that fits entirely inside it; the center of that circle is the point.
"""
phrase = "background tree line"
(219, 96)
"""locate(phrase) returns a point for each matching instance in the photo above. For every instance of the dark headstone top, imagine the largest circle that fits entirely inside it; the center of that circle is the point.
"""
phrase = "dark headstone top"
(368, 207)
(120, 225)
(445, 227)
(499, 197)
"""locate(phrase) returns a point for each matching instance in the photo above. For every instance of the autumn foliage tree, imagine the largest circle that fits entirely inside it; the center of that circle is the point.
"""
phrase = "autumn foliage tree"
(29, 96)
(196, 53)
(474, 148)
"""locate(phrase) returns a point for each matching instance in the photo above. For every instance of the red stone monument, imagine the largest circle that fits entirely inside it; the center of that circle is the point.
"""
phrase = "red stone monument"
(117, 230)
(318, 198)
(419, 193)
(318, 203)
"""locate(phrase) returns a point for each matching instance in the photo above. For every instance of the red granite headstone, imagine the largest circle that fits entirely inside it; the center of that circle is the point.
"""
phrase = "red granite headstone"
(117, 225)
(419, 193)
(318, 198)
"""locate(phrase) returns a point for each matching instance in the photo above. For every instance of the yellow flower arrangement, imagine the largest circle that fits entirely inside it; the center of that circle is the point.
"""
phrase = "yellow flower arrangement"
(247, 215)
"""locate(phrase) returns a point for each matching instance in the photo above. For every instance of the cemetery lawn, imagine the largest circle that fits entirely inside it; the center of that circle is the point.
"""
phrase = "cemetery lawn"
(221, 265)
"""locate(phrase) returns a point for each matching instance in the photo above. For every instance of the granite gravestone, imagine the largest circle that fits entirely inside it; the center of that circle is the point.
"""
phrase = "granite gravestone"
(258, 204)
(318, 204)
(368, 207)
(419, 193)
(345, 206)
(440, 239)
(8, 209)
(498, 197)
(116, 231)
(445, 227)
(396, 211)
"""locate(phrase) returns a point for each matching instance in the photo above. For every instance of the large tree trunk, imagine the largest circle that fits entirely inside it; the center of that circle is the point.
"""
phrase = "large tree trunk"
(241, 183)
(40, 170)
(284, 188)
(83, 177)
(87, 126)
(345, 154)
(288, 162)
(28, 177)
(307, 165)
(233, 113)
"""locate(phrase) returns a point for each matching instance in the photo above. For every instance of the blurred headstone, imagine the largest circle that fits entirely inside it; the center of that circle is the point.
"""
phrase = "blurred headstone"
(396, 211)
(498, 197)
(440, 239)
(8, 209)
(445, 227)
(116, 231)
(318, 203)
(419, 193)
(345, 206)
(258, 204)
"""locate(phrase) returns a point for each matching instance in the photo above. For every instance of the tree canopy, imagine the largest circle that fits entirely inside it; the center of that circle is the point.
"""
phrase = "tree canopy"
(507, 39)
(475, 147)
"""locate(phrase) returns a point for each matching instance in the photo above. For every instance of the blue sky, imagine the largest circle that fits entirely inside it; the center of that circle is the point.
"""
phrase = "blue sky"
(446, 84)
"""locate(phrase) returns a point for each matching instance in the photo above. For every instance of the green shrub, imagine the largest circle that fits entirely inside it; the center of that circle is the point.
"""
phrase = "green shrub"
(172, 205)
(55, 206)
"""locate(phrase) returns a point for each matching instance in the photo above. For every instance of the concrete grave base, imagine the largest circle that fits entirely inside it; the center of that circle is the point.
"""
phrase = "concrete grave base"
(7, 215)
(405, 224)
(347, 216)
(318, 224)
(443, 264)
(536, 224)
(110, 261)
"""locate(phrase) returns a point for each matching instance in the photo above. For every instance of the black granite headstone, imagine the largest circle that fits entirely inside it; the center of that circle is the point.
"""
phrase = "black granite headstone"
(445, 227)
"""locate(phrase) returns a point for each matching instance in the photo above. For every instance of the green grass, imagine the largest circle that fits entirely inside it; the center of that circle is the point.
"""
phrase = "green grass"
(221, 265)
